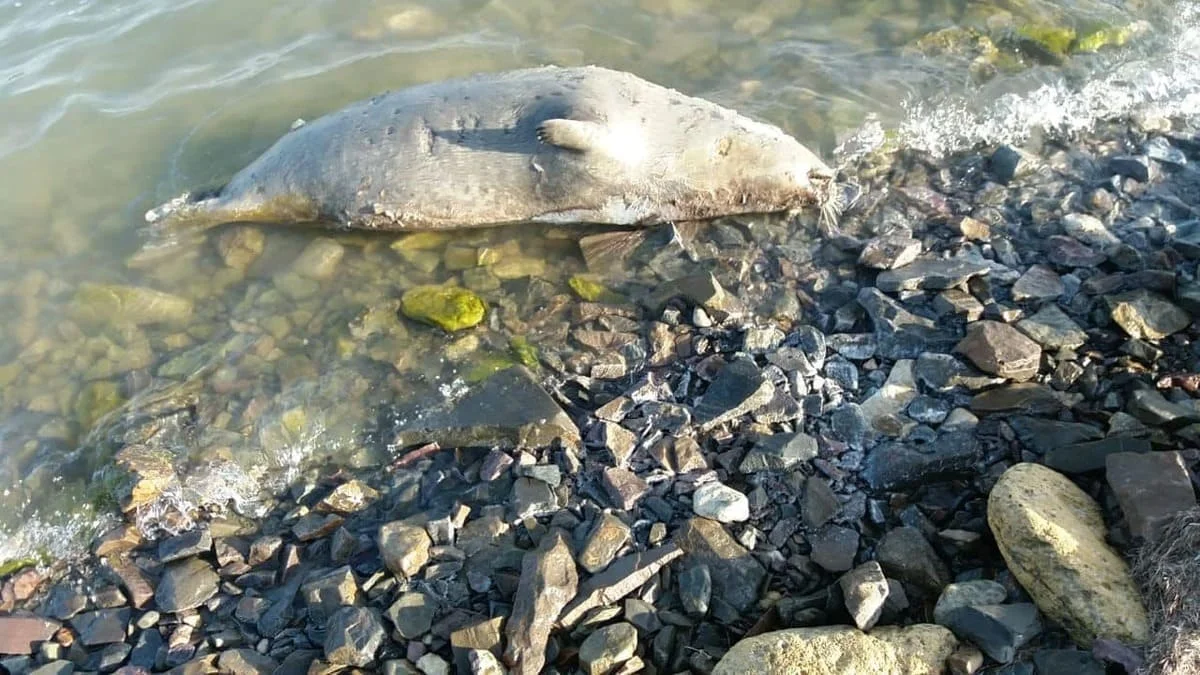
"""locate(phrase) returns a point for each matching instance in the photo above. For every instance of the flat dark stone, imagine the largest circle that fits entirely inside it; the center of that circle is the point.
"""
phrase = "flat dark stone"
(834, 547)
(893, 466)
(186, 584)
(108, 659)
(1151, 487)
(695, 589)
(101, 627)
(736, 574)
(905, 554)
(779, 452)
(930, 274)
(1045, 436)
(1091, 456)
(900, 334)
(738, 388)
(998, 630)
(145, 650)
(185, 545)
(509, 410)
(1065, 661)
(1023, 397)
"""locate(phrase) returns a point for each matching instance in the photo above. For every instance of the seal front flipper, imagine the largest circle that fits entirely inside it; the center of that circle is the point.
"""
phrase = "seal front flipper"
(571, 134)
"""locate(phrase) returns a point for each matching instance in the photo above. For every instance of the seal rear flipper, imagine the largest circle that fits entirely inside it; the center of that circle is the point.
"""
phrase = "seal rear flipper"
(570, 134)
(179, 223)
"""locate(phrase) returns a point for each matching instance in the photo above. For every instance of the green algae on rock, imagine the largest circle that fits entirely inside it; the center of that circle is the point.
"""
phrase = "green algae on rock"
(114, 303)
(524, 352)
(591, 290)
(449, 307)
(96, 400)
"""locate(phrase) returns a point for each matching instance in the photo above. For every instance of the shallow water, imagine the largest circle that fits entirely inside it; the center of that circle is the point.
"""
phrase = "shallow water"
(111, 107)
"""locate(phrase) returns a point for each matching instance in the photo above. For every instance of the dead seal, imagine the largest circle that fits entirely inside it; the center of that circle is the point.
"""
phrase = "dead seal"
(547, 144)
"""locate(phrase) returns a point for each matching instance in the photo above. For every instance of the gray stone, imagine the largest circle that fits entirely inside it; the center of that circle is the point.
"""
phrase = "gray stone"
(625, 575)
(606, 539)
(721, 503)
(606, 649)
(1092, 456)
(1089, 230)
(59, 667)
(944, 372)
(1038, 283)
(405, 547)
(1146, 315)
(998, 630)
(820, 504)
(145, 650)
(1151, 487)
(930, 274)
(185, 545)
(246, 662)
(738, 388)
(968, 594)
(315, 526)
(643, 615)
(508, 410)
(353, 636)
(1065, 661)
(779, 452)
(102, 627)
(695, 589)
(64, 602)
(481, 636)
(412, 615)
(1068, 252)
(624, 487)
(865, 590)
(1023, 397)
(853, 346)
(1151, 407)
(108, 659)
(1008, 163)
(900, 334)
(999, 349)
(264, 550)
(1137, 167)
(186, 584)
(928, 410)
(736, 574)
(905, 554)
(326, 594)
(532, 498)
(1053, 329)
(958, 303)
(890, 252)
(548, 582)
(1044, 436)
(834, 547)
(893, 466)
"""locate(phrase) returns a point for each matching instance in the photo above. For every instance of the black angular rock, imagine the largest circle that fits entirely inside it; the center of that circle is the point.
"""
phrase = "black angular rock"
(999, 630)
(695, 589)
(102, 627)
(898, 465)
(353, 636)
(185, 545)
(186, 584)
(899, 333)
(1091, 456)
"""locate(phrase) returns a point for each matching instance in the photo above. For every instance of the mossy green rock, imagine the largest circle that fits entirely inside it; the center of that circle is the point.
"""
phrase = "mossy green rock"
(96, 400)
(114, 303)
(524, 351)
(1054, 40)
(591, 290)
(13, 566)
(449, 307)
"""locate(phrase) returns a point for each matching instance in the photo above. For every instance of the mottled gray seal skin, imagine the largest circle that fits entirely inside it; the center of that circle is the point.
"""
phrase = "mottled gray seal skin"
(548, 144)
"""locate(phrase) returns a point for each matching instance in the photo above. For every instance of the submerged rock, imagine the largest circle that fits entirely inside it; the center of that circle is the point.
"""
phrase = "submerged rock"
(1053, 538)
(136, 305)
(509, 410)
(451, 308)
(920, 649)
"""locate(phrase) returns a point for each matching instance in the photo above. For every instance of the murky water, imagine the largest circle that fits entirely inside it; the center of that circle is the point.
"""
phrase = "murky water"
(253, 365)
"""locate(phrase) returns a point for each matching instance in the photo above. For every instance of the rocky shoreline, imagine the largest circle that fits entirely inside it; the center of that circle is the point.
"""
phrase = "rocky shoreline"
(930, 443)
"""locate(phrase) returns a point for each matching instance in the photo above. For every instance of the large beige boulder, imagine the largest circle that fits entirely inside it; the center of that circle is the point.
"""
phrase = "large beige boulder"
(836, 650)
(1052, 536)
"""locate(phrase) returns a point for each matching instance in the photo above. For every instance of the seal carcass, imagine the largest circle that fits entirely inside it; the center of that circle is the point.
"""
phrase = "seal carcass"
(548, 144)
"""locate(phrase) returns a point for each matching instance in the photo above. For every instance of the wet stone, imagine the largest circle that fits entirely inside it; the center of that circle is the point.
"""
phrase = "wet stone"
(930, 274)
(349, 497)
(185, 545)
(186, 584)
(246, 662)
(1092, 455)
(1001, 350)
(899, 333)
(721, 503)
(1151, 487)
(404, 547)
(316, 525)
(102, 627)
(695, 589)
(893, 466)
(1090, 230)
(853, 346)
(820, 503)
(1146, 315)
(606, 649)
(108, 659)
(968, 594)
(326, 594)
(1038, 283)
(905, 554)
(1053, 329)
(353, 636)
(59, 667)
(739, 388)
(865, 590)
(779, 452)
(890, 252)
(624, 487)
(1008, 163)
(998, 630)
(64, 602)
(834, 548)
(605, 541)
